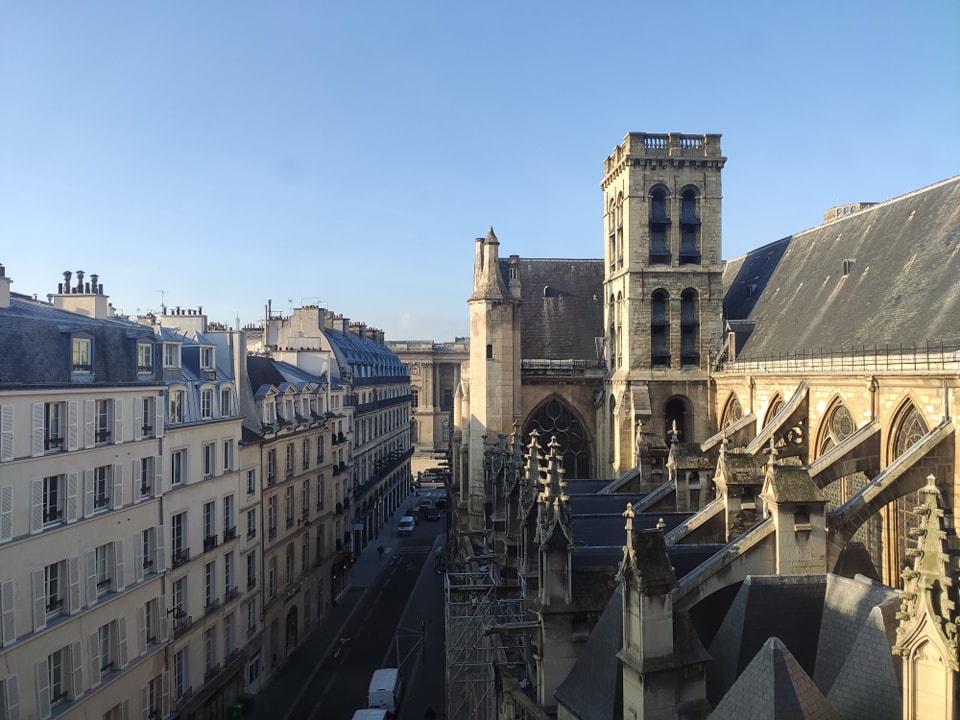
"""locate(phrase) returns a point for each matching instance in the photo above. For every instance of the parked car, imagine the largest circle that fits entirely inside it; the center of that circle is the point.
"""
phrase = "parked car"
(441, 504)
(432, 513)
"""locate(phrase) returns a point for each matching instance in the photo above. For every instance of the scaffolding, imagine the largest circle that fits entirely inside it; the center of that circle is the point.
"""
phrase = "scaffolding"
(479, 618)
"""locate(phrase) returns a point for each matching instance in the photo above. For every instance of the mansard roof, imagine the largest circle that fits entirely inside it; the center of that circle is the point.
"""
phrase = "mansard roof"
(366, 358)
(35, 346)
(885, 275)
(562, 308)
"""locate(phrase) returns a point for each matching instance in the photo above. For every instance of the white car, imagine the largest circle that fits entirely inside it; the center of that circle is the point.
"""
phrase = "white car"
(406, 525)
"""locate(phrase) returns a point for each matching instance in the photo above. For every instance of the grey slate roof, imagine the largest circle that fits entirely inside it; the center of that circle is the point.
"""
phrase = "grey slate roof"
(901, 289)
(773, 687)
(593, 690)
(35, 347)
(562, 308)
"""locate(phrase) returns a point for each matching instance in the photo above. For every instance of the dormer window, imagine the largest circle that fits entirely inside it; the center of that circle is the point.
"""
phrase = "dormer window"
(171, 355)
(206, 403)
(206, 358)
(144, 357)
(176, 406)
(82, 352)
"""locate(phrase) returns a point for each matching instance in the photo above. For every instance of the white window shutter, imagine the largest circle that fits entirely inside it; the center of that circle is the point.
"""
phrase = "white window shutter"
(160, 562)
(137, 476)
(89, 423)
(125, 710)
(158, 475)
(91, 562)
(138, 420)
(158, 422)
(122, 640)
(6, 433)
(72, 499)
(93, 643)
(73, 425)
(76, 659)
(138, 557)
(119, 581)
(145, 703)
(141, 629)
(11, 694)
(117, 421)
(117, 486)
(36, 505)
(8, 626)
(39, 600)
(165, 696)
(43, 688)
(88, 493)
(36, 438)
(73, 583)
(6, 513)
(162, 625)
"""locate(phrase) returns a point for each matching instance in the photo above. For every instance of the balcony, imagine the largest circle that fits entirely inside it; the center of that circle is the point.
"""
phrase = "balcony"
(209, 542)
(251, 533)
(211, 672)
(213, 604)
(229, 533)
(181, 625)
(231, 595)
(180, 557)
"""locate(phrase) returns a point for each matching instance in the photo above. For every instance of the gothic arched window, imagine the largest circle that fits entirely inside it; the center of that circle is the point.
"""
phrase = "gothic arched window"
(555, 419)
(659, 227)
(660, 329)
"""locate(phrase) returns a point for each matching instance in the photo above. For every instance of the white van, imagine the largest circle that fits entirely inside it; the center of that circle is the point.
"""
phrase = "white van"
(375, 714)
(386, 685)
(406, 525)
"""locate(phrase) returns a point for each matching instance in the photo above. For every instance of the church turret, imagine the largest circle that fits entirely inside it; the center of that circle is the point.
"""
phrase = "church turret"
(494, 367)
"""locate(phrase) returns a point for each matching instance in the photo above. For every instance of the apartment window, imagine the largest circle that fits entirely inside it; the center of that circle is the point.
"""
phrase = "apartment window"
(179, 597)
(227, 455)
(209, 525)
(154, 707)
(304, 555)
(272, 516)
(180, 674)
(210, 585)
(57, 684)
(226, 406)
(104, 568)
(229, 523)
(103, 420)
(53, 587)
(288, 505)
(210, 649)
(171, 355)
(102, 482)
(148, 549)
(146, 416)
(111, 644)
(82, 354)
(144, 357)
(178, 465)
(228, 580)
(53, 487)
(178, 539)
(271, 466)
(251, 523)
(251, 571)
(272, 578)
(54, 425)
(206, 358)
(252, 621)
(306, 453)
(416, 397)
(291, 563)
(176, 406)
(320, 484)
(147, 473)
(209, 459)
(206, 403)
(319, 543)
(251, 481)
(319, 449)
(305, 498)
(289, 450)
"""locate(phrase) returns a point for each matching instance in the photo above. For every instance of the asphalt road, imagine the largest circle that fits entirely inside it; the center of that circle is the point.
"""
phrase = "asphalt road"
(395, 619)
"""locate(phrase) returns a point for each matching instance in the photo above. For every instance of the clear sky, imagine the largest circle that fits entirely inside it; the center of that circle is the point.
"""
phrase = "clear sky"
(223, 154)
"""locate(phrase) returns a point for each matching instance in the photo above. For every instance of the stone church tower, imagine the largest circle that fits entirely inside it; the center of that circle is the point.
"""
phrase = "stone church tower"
(663, 293)
(494, 365)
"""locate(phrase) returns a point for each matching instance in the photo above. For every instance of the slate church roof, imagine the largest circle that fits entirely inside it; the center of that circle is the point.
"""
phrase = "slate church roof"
(562, 308)
(883, 276)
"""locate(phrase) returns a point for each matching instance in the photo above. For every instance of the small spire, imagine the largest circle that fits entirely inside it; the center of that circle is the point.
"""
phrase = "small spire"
(773, 452)
(628, 514)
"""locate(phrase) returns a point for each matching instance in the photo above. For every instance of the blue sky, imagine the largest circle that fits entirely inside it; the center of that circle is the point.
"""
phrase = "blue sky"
(229, 153)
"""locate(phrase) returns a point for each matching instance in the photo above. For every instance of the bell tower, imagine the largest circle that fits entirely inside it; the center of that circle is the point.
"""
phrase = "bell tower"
(663, 290)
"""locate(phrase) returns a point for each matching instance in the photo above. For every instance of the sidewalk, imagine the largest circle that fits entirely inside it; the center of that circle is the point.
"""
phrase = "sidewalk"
(281, 695)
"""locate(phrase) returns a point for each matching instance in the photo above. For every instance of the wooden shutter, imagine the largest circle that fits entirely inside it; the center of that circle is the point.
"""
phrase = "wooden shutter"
(72, 500)
(73, 425)
(117, 486)
(43, 688)
(119, 582)
(91, 562)
(6, 513)
(89, 423)
(117, 421)
(122, 641)
(39, 600)
(36, 437)
(138, 420)
(6, 433)
(93, 644)
(73, 583)
(88, 495)
(36, 505)
(8, 625)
